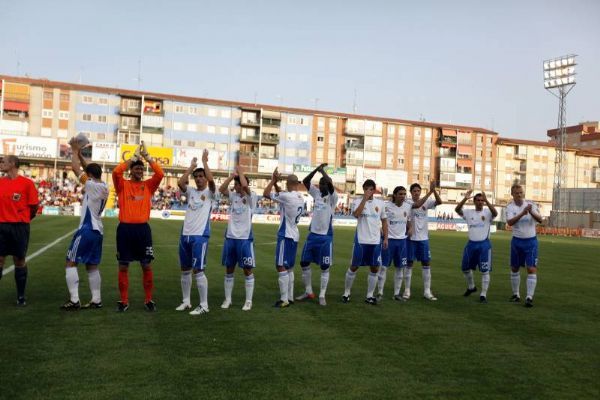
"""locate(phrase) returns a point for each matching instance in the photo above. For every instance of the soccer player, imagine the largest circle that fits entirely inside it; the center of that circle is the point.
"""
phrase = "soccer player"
(478, 251)
(318, 245)
(366, 251)
(18, 206)
(134, 237)
(291, 207)
(86, 245)
(419, 240)
(193, 243)
(522, 216)
(398, 213)
(239, 239)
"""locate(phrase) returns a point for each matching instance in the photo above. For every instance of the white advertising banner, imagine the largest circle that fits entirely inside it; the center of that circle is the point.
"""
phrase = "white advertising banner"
(183, 157)
(384, 178)
(27, 146)
(267, 165)
(104, 152)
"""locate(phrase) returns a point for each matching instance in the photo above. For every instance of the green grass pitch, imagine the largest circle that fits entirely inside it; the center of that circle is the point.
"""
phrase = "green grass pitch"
(454, 348)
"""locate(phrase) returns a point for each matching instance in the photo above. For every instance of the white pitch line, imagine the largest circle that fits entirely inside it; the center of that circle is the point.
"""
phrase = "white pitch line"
(37, 253)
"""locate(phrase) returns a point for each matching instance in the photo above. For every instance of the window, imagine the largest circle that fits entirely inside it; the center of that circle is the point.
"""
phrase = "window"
(85, 99)
(320, 138)
(87, 117)
(303, 137)
(221, 146)
(64, 97)
(332, 125)
(416, 161)
(402, 132)
(100, 136)
(290, 152)
(103, 101)
(291, 136)
(63, 115)
(177, 142)
(224, 130)
(210, 129)
(331, 154)
(319, 154)
(192, 110)
(427, 134)
(192, 127)
(417, 133)
(225, 113)
(50, 96)
(178, 126)
(178, 108)
(332, 139)
(212, 112)
(133, 104)
(302, 153)
(191, 143)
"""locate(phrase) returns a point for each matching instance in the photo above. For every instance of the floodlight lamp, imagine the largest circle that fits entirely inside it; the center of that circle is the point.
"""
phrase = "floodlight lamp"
(546, 84)
(571, 79)
(546, 65)
(552, 64)
(553, 74)
(571, 60)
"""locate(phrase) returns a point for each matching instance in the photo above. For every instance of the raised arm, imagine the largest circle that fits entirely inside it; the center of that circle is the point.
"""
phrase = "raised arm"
(491, 206)
(330, 187)
(207, 172)
(224, 188)
(366, 197)
(185, 178)
(154, 181)
(273, 182)
(306, 181)
(460, 205)
(243, 180)
(76, 158)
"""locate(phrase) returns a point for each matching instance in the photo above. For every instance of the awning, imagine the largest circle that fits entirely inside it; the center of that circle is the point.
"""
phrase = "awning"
(16, 106)
(465, 149)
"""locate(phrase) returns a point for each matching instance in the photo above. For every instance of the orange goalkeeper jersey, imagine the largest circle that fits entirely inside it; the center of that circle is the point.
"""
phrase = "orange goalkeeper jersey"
(135, 198)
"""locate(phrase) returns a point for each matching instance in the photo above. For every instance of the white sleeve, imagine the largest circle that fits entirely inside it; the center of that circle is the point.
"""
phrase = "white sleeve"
(314, 192)
(333, 200)
(382, 214)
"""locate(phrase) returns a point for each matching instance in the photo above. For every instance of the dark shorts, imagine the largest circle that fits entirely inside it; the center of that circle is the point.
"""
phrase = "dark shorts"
(14, 239)
(134, 243)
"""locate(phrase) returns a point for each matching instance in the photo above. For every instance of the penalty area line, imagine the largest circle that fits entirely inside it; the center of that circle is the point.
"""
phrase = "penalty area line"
(37, 253)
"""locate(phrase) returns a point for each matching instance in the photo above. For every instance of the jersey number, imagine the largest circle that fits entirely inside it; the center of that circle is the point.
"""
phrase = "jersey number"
(300, 209)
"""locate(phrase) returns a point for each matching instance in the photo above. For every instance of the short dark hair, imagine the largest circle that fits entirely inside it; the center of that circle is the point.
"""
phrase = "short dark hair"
(14, 159)
(136, 163)
(477, 196)
(94, 170)
(414, 185)
(237, 180)
(197, 170)
(399, 188)
(369, 183)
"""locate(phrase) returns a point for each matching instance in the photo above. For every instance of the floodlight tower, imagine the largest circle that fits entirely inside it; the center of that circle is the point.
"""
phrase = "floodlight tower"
(559, 79)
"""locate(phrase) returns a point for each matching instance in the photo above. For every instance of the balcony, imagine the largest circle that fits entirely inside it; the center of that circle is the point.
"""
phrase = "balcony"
(448, 152)
(129, 137)
(354, 146)
(269, 138)
(271, 122)
(354, 131)
(521, 156)
(448, 141)
(244, 137)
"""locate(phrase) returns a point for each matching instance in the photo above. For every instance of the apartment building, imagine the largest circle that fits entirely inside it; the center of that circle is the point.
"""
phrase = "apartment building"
(583, 136)
(531, 163)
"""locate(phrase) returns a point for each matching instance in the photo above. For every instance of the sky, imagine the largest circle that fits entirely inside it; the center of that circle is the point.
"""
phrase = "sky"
(474, 63)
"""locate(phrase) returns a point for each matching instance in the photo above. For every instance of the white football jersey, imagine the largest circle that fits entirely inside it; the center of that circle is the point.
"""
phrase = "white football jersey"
(197, 214)
(479, 223)
(525, 227)
(94, 200)
(368, 229)
(322, 211)
(241, 207)
(398, 217)
(291, 207)
(419, 219)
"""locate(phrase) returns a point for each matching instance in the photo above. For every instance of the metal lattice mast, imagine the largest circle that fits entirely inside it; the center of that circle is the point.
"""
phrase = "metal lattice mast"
(559, 73)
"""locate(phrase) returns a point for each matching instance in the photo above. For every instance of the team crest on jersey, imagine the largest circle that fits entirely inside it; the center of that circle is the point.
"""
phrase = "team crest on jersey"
(483, 218)
(376, 209)
(244, 201)
(142, 187)
(405, 214)
(203, 197)
(423, 208)
(16, 196)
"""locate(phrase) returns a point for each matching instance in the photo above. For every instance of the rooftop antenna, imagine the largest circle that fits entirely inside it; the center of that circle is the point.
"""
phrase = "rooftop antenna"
(255, 96)
(355, 104)
(139, 75)
(81, 74)
(18, 63)
(315, 102)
